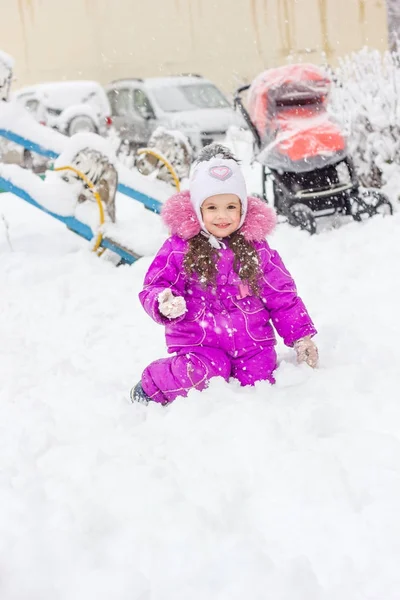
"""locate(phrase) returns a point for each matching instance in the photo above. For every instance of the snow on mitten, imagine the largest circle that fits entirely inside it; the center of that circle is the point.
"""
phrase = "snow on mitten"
(171, 306)
(306, 351)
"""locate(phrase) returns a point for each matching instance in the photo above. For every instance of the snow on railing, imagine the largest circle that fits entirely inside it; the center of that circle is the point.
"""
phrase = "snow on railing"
(16, 125)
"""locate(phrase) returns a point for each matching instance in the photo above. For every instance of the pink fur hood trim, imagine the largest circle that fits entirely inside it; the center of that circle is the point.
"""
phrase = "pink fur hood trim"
(179, 216)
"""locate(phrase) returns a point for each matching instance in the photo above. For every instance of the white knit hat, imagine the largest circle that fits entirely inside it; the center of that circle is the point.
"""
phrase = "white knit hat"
(213, 177)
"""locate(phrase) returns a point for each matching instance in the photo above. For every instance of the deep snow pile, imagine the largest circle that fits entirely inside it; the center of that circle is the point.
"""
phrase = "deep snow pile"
(289, 492)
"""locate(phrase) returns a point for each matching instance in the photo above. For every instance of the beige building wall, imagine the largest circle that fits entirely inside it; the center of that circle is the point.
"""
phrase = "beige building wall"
(228, 41)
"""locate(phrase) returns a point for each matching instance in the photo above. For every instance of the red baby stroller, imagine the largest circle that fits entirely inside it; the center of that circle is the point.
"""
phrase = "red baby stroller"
(302, 149)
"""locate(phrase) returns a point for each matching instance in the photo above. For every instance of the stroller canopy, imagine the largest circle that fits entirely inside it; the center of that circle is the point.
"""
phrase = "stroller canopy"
(291, 85)
(288, 107)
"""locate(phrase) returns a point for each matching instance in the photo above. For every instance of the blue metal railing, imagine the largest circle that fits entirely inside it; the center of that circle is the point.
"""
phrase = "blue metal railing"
(28, 144)
(71, 222)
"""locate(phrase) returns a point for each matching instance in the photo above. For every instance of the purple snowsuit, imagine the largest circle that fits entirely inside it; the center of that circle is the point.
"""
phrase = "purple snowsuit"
(226, 331)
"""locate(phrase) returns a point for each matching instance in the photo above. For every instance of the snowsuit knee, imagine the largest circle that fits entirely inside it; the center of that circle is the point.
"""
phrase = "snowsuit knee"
(190, 368)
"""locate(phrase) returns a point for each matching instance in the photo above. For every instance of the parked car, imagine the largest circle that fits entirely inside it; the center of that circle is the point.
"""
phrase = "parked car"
(68, 106)
(188, 103)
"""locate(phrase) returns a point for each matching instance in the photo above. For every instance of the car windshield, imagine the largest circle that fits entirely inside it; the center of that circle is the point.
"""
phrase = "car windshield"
(189, 97)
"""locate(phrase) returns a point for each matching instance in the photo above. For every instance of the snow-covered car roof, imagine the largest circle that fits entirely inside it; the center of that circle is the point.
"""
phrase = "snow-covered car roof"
(63, 94)
(160, 82)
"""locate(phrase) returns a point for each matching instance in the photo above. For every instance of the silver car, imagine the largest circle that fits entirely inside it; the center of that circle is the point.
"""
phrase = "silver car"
(188, 103)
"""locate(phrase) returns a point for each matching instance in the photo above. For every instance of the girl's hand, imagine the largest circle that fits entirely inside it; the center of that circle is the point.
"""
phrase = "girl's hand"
(171, 306)
(306, 351)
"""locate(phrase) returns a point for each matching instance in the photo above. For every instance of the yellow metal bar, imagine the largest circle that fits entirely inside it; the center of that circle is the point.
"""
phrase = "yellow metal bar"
(165, 162)
(96, 194)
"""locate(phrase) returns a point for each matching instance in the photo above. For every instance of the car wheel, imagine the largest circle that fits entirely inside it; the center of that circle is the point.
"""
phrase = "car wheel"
(81, 123)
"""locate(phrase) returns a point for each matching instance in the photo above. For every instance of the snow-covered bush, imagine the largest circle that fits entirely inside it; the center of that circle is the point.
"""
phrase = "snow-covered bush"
(174, 147)
(365, 98)
(6, 72)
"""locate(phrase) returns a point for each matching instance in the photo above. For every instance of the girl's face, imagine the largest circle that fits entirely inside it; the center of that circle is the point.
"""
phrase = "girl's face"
(221, 214)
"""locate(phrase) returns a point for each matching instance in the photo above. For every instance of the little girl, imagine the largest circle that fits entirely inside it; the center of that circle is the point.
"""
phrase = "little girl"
(216, 285)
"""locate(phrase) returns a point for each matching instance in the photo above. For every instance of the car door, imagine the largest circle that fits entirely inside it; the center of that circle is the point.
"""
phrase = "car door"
(121, 102)
(145, 113)
(121, 105)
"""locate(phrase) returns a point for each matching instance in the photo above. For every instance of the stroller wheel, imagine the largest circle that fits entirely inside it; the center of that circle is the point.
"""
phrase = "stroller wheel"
(369, 203)
(300, 215)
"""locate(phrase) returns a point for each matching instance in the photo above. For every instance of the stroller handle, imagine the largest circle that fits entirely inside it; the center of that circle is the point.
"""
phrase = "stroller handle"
(237, 103)
(242, 89)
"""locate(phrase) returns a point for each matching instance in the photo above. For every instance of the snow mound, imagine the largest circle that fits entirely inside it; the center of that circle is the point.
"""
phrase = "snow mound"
(288, 492)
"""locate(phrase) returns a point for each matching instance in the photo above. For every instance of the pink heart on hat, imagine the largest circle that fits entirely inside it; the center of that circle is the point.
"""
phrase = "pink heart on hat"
(222, 173)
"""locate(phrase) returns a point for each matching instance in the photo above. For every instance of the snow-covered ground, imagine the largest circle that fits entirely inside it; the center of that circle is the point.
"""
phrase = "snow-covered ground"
(289, 492)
